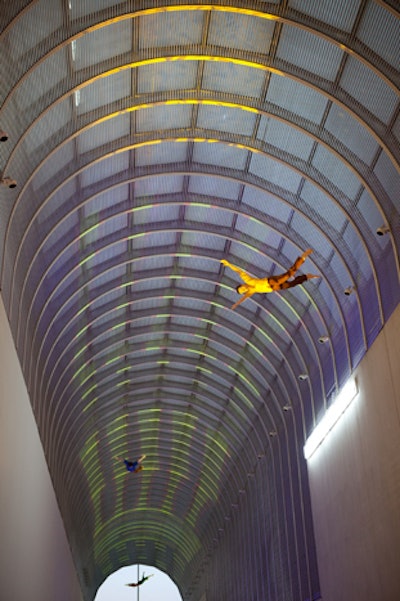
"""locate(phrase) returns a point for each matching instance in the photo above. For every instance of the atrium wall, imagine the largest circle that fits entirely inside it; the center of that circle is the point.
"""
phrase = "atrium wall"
(35, 558)
(355, 483)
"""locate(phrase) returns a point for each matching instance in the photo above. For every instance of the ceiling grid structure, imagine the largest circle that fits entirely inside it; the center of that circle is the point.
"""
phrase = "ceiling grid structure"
(150, 139)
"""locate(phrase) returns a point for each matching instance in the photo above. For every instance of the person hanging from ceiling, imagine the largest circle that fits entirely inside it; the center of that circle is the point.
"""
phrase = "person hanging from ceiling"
(273, 283)
(133, 466)
(139, 582)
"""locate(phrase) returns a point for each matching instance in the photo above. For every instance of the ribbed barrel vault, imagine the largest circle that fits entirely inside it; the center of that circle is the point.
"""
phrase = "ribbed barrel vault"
(149, 140)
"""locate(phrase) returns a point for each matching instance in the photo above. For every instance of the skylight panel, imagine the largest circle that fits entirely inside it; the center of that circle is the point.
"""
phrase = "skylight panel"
(293, 96)
(214, 186)
(170, 29)
(275, 172)
(381, 100)
(240, 31)
(229, 77)
(341, 14)
(309, 52)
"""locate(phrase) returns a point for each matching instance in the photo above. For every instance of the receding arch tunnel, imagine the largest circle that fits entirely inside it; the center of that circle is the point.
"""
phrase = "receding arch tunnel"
(149, 140)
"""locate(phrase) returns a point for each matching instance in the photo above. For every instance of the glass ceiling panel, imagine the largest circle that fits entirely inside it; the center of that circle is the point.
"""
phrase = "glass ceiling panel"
(389, 178)
(105, 168)
(48, 125)
(155, 303)
(103, 133)
(112, 295)
(207, 266)
(240, 31)
(336, 171)
(284, 136)
(158, 154)
(341, 270)
(381, 99)
(330, 213)
(99, 45)
(192, 304)
(167, 76)
(145, 264)
(310, 52)
(220, 154)
(375, 20)
(35, 26)
(165, 28)
(247, 257)
(154, 239)
(152, 284)
(108, 199)
(223, 118)
(275, 172)
(351, 133)
(341, 15)
(318, 239)
(104, 229)
(296, 97)
(81, 8)
(53, 165)
(358, 252)
(227, 77)
(266, 203)
(199, 240)
(156, 213)
(249, 226)
(158, 184)
(104, 90)
(46, 75)
(371, 214)
(163, 117)
(214, 186)
(214, 217)
(108, 252)
(233, 323)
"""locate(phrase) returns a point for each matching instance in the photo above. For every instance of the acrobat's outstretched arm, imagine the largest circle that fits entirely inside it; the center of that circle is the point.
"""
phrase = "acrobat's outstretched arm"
(247, 295)
(245, 276)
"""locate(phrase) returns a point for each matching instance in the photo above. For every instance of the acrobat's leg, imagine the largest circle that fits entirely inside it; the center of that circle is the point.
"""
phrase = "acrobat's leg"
(278, 280)
(300, 279)
(244, 276)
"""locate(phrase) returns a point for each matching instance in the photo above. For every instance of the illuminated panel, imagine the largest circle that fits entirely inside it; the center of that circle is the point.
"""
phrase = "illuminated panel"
(182, 57)
(331, 417)
(180, 8)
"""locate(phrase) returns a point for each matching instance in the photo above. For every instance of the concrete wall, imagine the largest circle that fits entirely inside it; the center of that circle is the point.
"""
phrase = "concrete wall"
(355, 484)
(35, 559)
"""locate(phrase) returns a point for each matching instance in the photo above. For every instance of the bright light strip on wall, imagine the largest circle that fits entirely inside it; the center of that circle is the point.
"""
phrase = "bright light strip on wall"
(331, 417)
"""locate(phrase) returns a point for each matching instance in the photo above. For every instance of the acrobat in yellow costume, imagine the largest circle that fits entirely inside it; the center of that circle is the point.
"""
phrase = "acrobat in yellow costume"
(273, 283)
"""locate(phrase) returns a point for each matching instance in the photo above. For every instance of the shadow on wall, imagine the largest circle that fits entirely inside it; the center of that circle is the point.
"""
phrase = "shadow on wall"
(158, 586)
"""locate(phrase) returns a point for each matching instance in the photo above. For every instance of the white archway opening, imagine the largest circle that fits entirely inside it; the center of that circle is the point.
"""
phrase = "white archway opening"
(158, 586)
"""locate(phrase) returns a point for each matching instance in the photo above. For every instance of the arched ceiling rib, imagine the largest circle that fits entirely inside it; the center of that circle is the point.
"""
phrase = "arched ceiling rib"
(149, 140)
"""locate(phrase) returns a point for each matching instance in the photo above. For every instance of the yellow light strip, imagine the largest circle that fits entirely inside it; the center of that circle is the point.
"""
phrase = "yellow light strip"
(183, 57)
(178, 140)
(181, 8)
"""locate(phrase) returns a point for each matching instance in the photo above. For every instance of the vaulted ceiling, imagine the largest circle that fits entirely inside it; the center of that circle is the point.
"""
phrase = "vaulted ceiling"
(148, 141)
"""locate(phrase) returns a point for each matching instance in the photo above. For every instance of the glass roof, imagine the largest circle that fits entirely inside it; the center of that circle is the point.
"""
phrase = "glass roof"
(150, 140)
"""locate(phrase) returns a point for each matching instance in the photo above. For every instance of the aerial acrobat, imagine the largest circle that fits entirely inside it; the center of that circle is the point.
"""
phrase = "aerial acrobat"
(133, 466)
(139, 582)
(271, 284)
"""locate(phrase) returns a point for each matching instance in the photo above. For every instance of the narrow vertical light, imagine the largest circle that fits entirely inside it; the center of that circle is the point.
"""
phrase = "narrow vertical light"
(331, 417)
